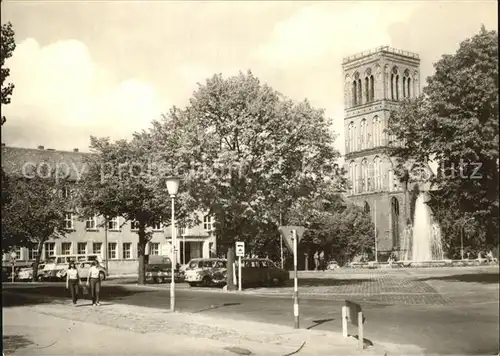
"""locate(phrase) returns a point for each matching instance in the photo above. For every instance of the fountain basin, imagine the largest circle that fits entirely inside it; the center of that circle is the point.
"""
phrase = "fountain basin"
(420, 264)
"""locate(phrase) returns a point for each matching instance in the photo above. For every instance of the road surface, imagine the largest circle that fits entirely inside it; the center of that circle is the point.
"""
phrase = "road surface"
(447, 328)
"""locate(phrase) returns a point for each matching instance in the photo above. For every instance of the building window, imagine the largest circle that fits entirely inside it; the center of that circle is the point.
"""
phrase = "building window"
(66, 248)
(17, 250)
(372, 88)
(81, 248)
(68, 221)
(114, 224)
(91, 223)
(158, 226)
(183, 231)
(32, 253)
(352, 177)
(208, 223)
(367, 208)
(134, 225)
(154, 248)
(377, 176)
(50, 249)
(364, 176)
(127, 250)
(112, 255)
(97, 248)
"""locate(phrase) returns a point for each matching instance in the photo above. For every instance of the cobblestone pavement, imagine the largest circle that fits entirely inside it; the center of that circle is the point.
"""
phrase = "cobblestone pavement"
(378, 286)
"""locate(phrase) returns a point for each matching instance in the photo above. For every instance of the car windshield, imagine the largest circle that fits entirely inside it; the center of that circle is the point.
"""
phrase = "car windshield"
(194, 264)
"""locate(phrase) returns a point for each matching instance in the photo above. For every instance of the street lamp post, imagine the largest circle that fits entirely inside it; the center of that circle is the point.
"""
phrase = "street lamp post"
(462, 236)
(173, 187)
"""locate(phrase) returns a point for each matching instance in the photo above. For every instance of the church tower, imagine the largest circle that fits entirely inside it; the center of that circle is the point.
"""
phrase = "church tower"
(375, 82)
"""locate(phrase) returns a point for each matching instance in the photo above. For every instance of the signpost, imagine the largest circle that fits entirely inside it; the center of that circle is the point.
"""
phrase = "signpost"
(240, 252)
(293, 235)
(352, 312)
(13, 256)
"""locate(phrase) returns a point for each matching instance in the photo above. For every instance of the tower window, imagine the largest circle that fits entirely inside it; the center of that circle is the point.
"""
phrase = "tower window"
(372, 88)
(354, 93)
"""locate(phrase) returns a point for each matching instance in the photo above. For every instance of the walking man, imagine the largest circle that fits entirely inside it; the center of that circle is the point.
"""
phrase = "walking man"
(94, 283)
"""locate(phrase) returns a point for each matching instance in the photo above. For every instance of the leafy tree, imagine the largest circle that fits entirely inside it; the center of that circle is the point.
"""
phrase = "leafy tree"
(121, 181)
(8, 45)
(342, 229)
(455, 123)
(246, 152)
(33, 214)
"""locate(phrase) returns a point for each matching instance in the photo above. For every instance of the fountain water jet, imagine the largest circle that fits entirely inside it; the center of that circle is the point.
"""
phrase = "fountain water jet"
(426, 237)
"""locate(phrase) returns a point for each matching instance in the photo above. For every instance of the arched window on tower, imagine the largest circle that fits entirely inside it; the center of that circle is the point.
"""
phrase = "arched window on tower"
(372, 88)
(354, 93)
(395, 222)
(397, 87)
(364, 176)
(395, 84)
(406, 84)
(363, 134)
(409, 88)
(360, 92)
(392, 86)
(352, 177)
(367, 90)
(377, 177)
(376, 131)
(350, 138)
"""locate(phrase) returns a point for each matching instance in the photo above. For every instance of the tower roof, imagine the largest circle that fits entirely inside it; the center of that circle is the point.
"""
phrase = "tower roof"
(385, 49)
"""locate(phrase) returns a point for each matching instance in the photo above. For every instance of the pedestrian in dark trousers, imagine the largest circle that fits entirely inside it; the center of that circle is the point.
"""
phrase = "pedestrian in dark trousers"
(322, 260)
(73, 282)
(94, 283)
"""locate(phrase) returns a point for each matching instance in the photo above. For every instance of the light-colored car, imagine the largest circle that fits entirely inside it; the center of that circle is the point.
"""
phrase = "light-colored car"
(205, 271)
(83, 270)
(26, 274)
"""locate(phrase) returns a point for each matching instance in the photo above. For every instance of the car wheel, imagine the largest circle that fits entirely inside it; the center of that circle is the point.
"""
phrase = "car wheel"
(206, 281)
(102, 276)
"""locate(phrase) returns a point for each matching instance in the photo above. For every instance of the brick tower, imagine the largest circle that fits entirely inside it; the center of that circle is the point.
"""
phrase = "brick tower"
(375, 81)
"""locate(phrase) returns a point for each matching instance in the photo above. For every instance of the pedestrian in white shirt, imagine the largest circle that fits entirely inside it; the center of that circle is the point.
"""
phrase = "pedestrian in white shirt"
(73, 281)
(94, 282)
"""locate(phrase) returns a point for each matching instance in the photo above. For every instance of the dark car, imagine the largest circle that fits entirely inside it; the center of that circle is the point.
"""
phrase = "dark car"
(261, 271)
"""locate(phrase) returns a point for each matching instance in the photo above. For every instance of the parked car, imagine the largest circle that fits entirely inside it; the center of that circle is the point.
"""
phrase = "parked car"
(26, 274)
(205, 271)
(83, 270)
(159, 270)
(332, 265)
(261, 271)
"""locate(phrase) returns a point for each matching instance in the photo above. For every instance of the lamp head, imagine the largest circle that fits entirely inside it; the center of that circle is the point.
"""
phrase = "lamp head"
(172, 185)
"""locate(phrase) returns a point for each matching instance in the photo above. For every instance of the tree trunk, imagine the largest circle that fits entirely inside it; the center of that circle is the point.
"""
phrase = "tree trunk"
(230, 260)
(37, 261)
(141, 249)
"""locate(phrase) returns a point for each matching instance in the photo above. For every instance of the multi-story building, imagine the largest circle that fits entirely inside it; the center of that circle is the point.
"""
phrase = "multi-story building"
(375, 81)
(87, 236)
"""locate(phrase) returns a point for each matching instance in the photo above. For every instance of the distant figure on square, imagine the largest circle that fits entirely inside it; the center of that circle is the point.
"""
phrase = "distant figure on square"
(94, 283)
(73, 282)
(316, 261)
(322, 260)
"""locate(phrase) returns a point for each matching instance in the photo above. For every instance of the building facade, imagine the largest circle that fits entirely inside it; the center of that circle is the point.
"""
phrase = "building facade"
(375, 82)
(91, 236)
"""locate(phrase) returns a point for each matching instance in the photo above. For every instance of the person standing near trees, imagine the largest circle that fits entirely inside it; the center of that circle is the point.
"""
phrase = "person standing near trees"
(94, 283)
(322, 260)
(316, 261)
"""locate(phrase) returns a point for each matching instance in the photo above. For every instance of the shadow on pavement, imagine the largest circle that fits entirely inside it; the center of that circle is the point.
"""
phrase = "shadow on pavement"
(13, 342)
(319, 322)
(47, 294)
(212, 307)
(485, 278)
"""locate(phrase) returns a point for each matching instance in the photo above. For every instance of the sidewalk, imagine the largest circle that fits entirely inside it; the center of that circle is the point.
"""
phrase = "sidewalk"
(59, 329)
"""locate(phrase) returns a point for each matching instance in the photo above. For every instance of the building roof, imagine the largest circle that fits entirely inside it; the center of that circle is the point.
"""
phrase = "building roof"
(386, 49)
(20, 161)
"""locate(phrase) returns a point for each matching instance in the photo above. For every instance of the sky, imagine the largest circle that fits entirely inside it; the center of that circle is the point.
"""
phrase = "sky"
(108, 69)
